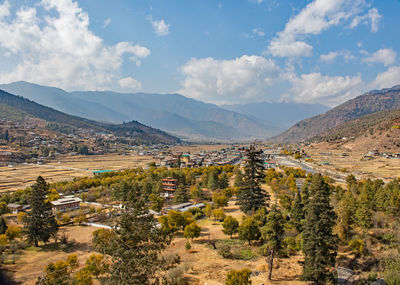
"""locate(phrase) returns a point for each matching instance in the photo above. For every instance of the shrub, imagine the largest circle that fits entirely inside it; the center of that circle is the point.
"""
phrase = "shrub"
(238, 277)
(225, 251)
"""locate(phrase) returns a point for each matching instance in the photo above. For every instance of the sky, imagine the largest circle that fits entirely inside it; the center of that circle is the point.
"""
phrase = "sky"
(222, 52)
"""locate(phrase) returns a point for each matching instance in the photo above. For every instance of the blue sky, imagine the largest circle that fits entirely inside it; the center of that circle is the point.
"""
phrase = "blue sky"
(232, 51)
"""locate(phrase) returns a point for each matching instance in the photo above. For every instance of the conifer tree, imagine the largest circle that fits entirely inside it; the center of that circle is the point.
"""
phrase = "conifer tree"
(251, 196)
(319, 243)
(134, 246)
(364, 212)
(41, 224)
(181, 195)
(298, 213)
(273, 233)
(3, 225)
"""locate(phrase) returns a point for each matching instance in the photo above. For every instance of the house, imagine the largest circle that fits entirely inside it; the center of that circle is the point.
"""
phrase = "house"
(169, 185)
(15, 208)
(66, 204)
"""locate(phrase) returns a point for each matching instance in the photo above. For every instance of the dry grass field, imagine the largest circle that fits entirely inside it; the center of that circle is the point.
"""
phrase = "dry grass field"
(30, 265)
(65, 168)
(380, 167)
(207, 267)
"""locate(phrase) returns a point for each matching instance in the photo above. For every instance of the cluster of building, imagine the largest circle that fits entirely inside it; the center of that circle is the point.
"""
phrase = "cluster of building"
(67, 203)
(375, 153)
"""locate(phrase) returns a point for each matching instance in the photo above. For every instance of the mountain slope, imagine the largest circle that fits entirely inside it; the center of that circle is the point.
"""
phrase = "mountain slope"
(368, 103)
(23, 107)
(284, 114)
(379, 130)
(171, 112)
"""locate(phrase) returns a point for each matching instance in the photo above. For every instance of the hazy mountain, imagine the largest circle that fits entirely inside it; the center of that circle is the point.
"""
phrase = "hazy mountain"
(16, 108)
(368, 103)
(173, 113)
(282, 114)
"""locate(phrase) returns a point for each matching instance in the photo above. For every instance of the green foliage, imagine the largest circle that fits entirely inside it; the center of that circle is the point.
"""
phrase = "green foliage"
(230, 226)
(251, 196)
(220, 200)
(192, 231)
(319, 243)
(238, 277)
(134, 246)
(391, 273)
(3, 225)
(219, 214)
(298, 212)
(157, 202)
(13, 231)
(41, 224)
(181, 195)
(249, 230)
(357, 246)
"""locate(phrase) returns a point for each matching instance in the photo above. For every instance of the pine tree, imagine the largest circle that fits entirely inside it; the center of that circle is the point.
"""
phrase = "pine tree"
(181, 195)
(251, 196)
(3, 225)
(223, 181)
(319, 243)
(41, 224)
(364, 211)
(134, 246)
(273, 233)
(298, 212)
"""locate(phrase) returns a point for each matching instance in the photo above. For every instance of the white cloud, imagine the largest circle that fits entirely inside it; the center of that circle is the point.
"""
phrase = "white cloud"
(373, 17)
(107, 22)
(5, 9)
(160, 27)
(258, 32)
(387, 79)
(129, 83)
(59, 48)
(315, 18)
(241, 79)
(331, 56)
(323, 89)
(385, 55)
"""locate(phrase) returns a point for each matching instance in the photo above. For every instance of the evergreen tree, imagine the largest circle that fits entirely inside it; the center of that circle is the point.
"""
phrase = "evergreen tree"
(3, 225)
(212, 182)
(273, 233)
(181, 195)
(298, 213)
(223, 181)
(251, 196)
(345, 210)
(134, 246)
(319, 243)
(41, 224)
(238, 182)
(364, 212)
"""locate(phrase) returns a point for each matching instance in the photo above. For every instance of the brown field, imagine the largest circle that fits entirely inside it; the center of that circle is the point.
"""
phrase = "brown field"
(380, 167)
(32, 262)
(207, 267)
(65, 168)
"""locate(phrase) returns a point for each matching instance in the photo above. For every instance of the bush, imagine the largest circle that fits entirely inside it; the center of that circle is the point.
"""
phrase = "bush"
(357, 246)
(291, 246)
(238, 277)
(187, 245)
(225, 251)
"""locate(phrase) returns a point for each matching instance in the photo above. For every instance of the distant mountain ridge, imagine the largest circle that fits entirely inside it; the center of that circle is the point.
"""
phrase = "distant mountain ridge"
(181, 116)
(368, 103)
(16, 108)
(286, 113)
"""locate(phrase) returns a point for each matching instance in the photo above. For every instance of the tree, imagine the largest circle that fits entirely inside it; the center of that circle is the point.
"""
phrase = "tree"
(298, 212)
(273, 233)
(238, 182)
(212, 182)
(192, 231)
(41, 224)
(220, 200)
(223, 181)
(3, 225)
(95, 265)
(249, 230)
(238, 277)
(251, 196)
(59, 272)
(181, 195)
(13, 231)
(80, 219)
(134, 246)
(319, 243)
(208, 211)
(219, 214)
(230, 225)
(364, 211)
(157, 202)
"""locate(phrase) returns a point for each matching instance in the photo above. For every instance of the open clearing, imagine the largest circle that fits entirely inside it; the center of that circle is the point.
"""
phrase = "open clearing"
(32, 262)
(379, 168)
(66, 168)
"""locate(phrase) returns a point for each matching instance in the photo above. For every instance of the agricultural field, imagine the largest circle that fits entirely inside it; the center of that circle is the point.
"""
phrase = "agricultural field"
(66, 168)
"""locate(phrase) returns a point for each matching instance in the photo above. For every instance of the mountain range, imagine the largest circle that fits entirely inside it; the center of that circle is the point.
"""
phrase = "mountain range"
(18, 109)
(368, 103)
(178, 115)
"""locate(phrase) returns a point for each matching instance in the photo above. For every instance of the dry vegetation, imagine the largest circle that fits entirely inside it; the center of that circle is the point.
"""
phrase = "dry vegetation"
(66, 168)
